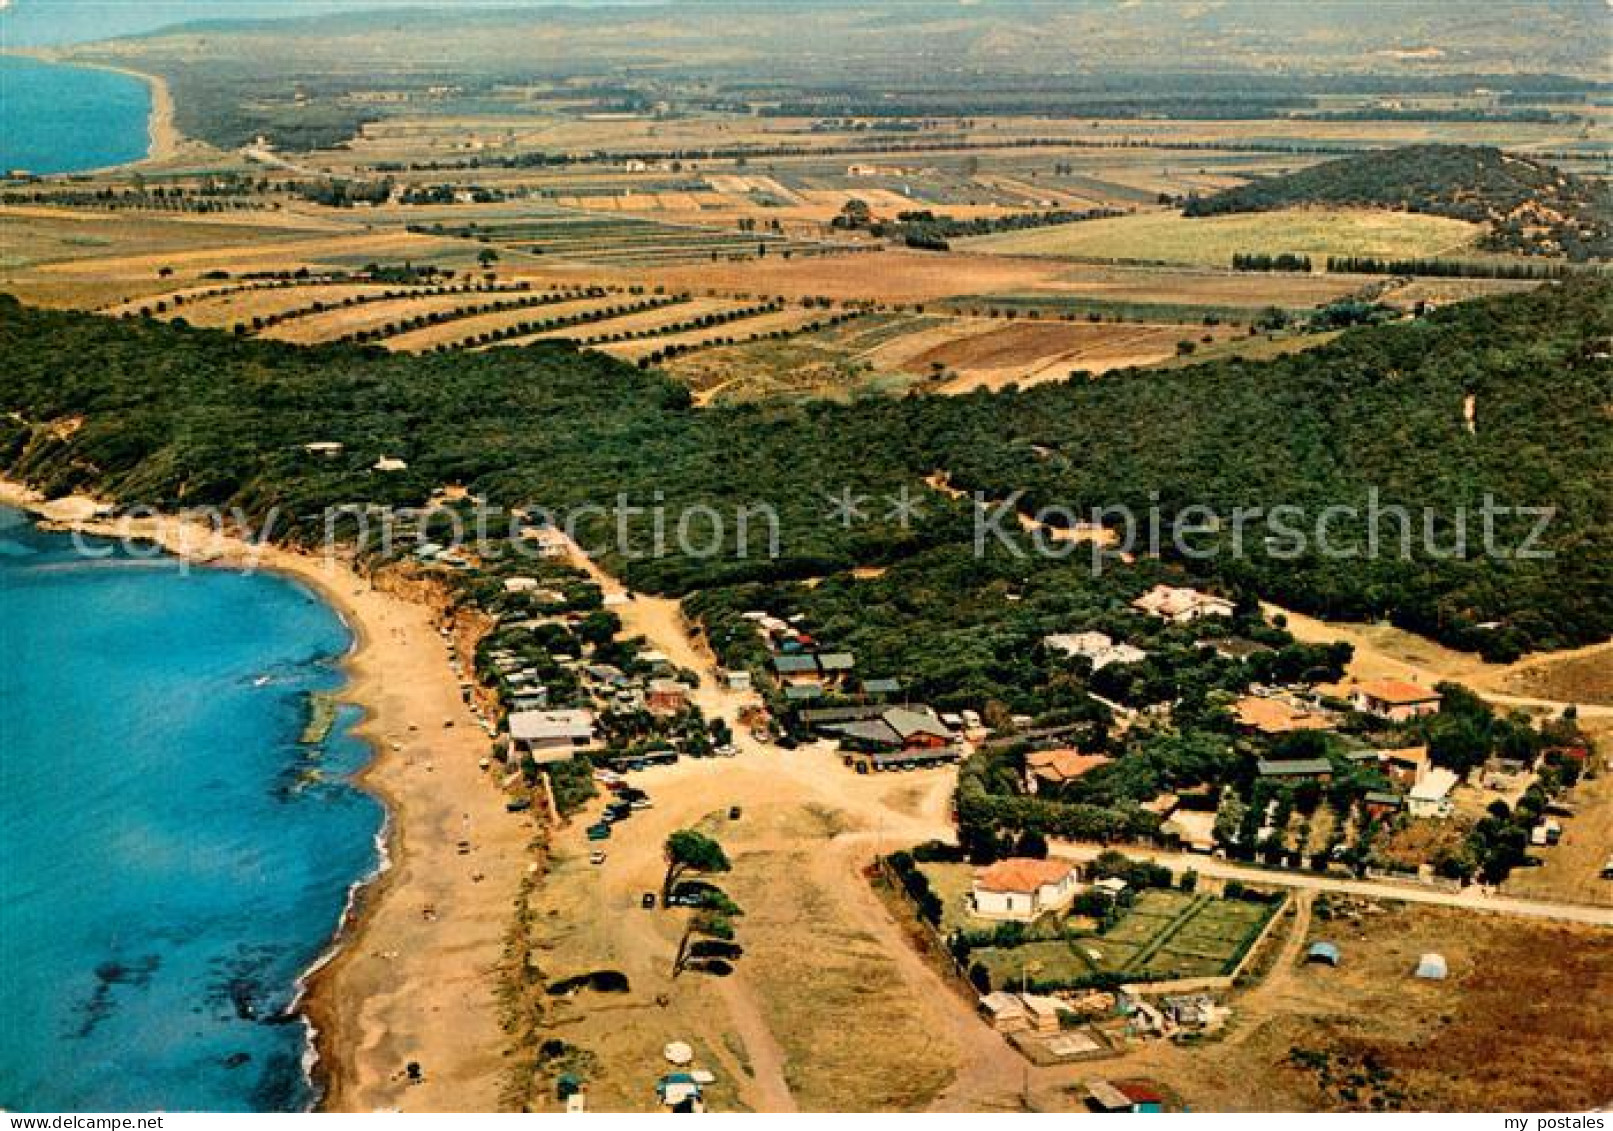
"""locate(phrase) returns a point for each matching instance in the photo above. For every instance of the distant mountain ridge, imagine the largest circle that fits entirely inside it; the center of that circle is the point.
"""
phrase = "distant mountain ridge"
(1528, 205)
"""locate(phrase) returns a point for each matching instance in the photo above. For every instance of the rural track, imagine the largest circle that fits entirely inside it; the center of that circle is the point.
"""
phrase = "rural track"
(1471, 899)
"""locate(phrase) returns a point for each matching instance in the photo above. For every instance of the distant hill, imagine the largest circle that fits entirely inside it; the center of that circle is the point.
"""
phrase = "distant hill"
(1530, 207)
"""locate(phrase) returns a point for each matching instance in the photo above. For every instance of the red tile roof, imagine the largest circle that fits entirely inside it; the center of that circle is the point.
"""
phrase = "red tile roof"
(1064, 764)
(1022, 874)
(1397, 691)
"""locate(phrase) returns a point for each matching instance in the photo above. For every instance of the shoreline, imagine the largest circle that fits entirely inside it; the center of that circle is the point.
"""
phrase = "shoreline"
(163, 139)
(393, 984)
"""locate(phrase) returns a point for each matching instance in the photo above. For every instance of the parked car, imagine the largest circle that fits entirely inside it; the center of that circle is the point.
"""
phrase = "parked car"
(726, 750)
(518, 805)
(597, 856)
(600, 831)
(648, 902)
(734, 812)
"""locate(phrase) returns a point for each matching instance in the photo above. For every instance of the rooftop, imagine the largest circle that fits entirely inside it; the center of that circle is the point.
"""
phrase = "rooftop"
(1397, 691)
(536, 726)
(1063, 765)
(1022, 874)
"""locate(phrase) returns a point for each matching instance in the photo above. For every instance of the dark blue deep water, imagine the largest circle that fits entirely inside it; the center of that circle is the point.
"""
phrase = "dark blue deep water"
(61, 119)
(172, 859)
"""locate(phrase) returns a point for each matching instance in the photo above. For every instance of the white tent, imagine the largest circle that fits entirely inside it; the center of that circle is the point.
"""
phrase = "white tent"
(678, 1053)
(1432, 967)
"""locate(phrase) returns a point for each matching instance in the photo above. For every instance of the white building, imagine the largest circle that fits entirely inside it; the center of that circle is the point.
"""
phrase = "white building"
(1180, 606)
(1022, 888)
(552, 736)
(1431, 797)
(1095, 646)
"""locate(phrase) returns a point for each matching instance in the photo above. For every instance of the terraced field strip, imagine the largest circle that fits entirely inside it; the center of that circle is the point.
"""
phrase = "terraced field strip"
(729, 333)
(672, 319)
(184, 296)
(331, 325)
(459, 331)
(278, 302)
(609, 312)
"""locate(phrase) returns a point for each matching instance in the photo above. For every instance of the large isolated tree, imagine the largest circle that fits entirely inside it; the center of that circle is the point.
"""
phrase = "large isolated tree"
(689, 850)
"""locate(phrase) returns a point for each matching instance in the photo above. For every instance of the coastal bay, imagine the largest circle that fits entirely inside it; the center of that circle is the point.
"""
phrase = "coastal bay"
(414, 978)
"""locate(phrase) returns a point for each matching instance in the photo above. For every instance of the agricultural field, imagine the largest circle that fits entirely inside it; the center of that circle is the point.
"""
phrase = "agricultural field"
(767, 326)
(470, 331)
(1164, 935)
(1166, 237)
(630, 241)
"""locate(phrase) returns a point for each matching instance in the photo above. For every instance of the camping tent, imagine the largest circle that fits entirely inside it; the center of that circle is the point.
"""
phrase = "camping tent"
(1323, 952)
(1432, 966)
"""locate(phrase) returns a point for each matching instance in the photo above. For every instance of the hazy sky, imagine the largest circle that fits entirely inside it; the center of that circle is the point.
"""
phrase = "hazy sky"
(33, 23)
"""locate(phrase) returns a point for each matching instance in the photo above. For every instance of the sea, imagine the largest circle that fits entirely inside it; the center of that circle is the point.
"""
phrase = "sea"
(56, 118)
(174, 858)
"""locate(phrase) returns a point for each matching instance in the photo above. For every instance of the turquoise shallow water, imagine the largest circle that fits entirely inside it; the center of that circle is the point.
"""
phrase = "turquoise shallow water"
(171, 858)
(59, 119)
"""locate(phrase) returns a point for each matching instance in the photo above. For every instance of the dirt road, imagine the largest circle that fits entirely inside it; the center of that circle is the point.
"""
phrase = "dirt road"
(1473, 898)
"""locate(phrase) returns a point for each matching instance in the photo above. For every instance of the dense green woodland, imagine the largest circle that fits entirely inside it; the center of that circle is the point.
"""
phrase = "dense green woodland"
(175, 416)
(1529, 206)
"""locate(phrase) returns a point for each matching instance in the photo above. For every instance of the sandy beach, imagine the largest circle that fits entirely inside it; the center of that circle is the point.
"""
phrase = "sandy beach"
(165, 138)
(415, 976)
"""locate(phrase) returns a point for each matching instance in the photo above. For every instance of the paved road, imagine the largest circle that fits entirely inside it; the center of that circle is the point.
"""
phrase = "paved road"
(1472, 899)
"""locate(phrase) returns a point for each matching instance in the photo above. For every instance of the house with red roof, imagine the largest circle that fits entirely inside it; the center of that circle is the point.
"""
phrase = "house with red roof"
(1022, 888)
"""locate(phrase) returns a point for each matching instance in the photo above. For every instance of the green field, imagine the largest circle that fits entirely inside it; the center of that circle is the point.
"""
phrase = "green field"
(1164, 935)
(1165, 237)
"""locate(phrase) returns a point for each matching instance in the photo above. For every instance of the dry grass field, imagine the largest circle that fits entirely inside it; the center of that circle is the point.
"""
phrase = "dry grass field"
(1506, 1032)
(1166, 237)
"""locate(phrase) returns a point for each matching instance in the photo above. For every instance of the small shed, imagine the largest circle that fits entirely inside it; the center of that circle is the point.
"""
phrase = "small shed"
(1144, 1098)
(1005, 1012)
(1325, 952)
(1433, 967)
(1104, 1096)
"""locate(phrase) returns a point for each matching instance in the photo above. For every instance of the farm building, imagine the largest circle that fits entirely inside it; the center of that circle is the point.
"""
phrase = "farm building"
(552, 736)
(1021, 888)
(1181, 606)
(1055, 767)
(1324, 952)
(1433, 967)
(1394, 699)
